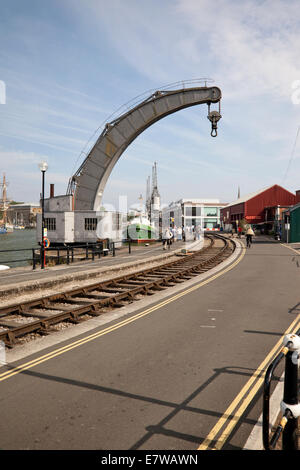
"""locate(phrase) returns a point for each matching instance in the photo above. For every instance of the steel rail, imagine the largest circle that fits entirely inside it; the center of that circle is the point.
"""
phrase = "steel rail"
(71, 305)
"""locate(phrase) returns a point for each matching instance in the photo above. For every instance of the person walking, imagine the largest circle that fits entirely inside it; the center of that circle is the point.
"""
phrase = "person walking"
(175, 234)
(167, 238)
(179, 233)
(249, 235)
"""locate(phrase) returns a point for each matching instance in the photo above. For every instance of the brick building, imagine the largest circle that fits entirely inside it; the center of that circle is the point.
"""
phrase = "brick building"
(262, 208)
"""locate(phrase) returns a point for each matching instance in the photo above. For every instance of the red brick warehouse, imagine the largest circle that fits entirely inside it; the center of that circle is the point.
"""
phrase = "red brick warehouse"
(258, 207)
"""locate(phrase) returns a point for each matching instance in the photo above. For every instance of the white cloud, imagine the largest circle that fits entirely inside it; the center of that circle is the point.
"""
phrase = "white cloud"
(24, 176)
(250, 48)
(255, 45)
(15, 158)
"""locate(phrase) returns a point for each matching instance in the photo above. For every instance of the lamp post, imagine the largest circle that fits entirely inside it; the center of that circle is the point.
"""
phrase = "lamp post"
(43, 166)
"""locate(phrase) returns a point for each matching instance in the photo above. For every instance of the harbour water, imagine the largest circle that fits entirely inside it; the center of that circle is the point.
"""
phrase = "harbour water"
(22, 240)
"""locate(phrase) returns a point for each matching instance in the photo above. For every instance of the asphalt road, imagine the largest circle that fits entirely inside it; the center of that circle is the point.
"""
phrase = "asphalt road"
(177, 373)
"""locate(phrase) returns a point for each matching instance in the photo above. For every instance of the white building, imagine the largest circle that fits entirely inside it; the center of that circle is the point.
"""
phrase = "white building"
(64, 225)
(23, 214)
(192, 213)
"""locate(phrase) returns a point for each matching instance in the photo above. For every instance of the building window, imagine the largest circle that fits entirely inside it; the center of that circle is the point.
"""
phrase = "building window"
(90, 224)
(193, 211)
(210, 212)
(188, 211)
(50, 223)
(116, 221)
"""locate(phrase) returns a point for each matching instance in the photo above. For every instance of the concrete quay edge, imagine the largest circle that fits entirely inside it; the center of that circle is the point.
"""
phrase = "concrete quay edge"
(28, 287)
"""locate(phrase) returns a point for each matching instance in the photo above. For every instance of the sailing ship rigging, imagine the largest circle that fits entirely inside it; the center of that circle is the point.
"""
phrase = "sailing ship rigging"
(5, 227)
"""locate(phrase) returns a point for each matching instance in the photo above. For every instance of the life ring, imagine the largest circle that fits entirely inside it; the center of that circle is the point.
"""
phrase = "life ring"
(46, 242)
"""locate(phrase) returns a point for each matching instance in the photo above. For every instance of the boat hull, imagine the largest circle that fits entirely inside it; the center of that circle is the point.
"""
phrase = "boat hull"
(140, 233)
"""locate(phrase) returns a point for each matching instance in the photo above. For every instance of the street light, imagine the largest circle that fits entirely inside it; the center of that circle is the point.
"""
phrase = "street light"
(43, 166)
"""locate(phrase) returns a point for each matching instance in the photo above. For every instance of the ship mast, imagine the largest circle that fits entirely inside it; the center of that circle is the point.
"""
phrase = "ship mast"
(4, 199)
(141, 206)
(148, 197)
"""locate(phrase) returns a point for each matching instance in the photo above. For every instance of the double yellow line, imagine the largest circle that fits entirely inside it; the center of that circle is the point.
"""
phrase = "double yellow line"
(57, 352)
(233, 413)
(231, 417)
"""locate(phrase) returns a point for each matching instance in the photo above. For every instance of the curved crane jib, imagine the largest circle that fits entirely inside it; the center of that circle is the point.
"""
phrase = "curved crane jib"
(117, 135)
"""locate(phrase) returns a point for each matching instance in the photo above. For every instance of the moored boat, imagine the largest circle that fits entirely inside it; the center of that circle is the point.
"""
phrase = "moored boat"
(140, 230)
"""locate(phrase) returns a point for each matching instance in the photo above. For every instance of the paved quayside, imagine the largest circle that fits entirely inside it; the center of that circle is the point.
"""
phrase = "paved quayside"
(178, 370)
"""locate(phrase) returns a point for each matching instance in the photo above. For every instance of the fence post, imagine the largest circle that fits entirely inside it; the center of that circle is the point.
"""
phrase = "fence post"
(87, 251)
(129, 246)
(33, 258)
(68, 255)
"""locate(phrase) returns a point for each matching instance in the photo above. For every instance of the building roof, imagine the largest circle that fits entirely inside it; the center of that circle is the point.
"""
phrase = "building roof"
(25, 204)
(199, 201)
(250, 196)
(296, 206)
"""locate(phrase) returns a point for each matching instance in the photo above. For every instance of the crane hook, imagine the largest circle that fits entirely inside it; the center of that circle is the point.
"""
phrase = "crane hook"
(214, 117)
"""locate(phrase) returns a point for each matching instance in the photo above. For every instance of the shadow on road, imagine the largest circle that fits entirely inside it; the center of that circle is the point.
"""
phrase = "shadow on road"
(159, 428)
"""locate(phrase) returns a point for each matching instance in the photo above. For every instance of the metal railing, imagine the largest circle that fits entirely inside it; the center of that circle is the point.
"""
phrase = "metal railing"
(18, 260)
(290, 407)
(125, 241)
(67, 254)
(63, 253)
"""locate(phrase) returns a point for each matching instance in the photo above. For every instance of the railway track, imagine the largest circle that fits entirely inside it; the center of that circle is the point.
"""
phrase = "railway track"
(41, 316)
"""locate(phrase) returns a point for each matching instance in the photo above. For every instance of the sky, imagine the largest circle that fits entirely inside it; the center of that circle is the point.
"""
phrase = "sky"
(67, 65)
